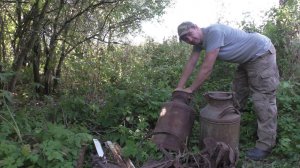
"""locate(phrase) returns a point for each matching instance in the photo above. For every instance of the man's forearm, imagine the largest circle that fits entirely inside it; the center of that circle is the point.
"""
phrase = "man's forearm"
(203, 74)
(188, 69)
(205, 70)
(185, 75)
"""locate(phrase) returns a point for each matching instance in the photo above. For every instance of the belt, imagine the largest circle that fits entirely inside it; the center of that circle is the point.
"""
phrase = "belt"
(263, 55)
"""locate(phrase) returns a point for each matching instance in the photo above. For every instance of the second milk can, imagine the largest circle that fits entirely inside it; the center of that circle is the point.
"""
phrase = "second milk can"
(220, 119)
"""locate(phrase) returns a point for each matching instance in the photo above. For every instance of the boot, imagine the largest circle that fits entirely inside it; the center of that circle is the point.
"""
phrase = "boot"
(257, 154)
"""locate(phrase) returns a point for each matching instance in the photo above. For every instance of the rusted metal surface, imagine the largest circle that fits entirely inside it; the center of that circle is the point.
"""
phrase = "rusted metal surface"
(220, 124)
(220, 120)
(219, 154)
(175, 122)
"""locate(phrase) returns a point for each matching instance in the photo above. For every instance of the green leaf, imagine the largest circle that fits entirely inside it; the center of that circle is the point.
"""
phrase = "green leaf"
(25, 150)
(130, 149)
(6, 95)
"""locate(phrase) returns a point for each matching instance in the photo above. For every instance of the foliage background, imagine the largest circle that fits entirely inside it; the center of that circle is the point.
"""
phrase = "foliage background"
(110, 90)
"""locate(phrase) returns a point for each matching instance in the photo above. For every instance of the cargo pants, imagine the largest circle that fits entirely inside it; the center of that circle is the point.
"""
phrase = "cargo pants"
(260, 79)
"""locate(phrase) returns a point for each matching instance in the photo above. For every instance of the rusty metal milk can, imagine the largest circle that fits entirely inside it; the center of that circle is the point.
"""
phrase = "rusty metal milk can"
(174, 123)
(220, 119)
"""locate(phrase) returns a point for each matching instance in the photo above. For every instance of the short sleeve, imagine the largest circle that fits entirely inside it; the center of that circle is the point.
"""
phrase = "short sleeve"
(215, 39)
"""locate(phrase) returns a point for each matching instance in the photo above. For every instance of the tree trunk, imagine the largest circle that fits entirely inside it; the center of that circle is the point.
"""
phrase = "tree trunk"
(27, 41)
(2, 44)
(28, 44)
(59, 66)
(50, 64)
(47, 74)
(36, 66)
(63, 55)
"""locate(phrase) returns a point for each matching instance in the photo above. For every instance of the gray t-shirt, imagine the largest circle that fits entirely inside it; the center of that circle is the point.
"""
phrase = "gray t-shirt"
(235, 45)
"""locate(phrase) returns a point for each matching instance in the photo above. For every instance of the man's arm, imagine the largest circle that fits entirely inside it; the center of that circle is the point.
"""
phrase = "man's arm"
(205, 70)
(188, 69)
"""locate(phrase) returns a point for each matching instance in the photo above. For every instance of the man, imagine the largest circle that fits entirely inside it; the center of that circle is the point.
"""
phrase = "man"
(257, 73)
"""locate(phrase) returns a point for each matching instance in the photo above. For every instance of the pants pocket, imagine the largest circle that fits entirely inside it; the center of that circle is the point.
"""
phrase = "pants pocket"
(265, 81)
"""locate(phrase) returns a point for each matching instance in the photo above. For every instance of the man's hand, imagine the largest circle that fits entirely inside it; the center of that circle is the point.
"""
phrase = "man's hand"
(187, 90)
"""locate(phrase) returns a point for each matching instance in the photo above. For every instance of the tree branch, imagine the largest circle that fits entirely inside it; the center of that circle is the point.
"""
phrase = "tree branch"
(85, 10)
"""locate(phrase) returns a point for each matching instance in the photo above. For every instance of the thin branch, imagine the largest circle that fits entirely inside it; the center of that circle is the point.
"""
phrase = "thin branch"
(85, 10)
(15, 2)
(95, 35)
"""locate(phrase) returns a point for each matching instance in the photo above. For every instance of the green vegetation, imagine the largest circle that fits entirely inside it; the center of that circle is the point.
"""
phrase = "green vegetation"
(74, 83)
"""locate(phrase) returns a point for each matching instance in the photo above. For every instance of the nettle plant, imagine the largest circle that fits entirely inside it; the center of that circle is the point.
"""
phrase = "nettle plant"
(288, 118)
(42, 145)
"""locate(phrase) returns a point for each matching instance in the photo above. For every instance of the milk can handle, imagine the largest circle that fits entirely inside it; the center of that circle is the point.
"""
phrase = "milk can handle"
(228, 110)
(236, 103)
